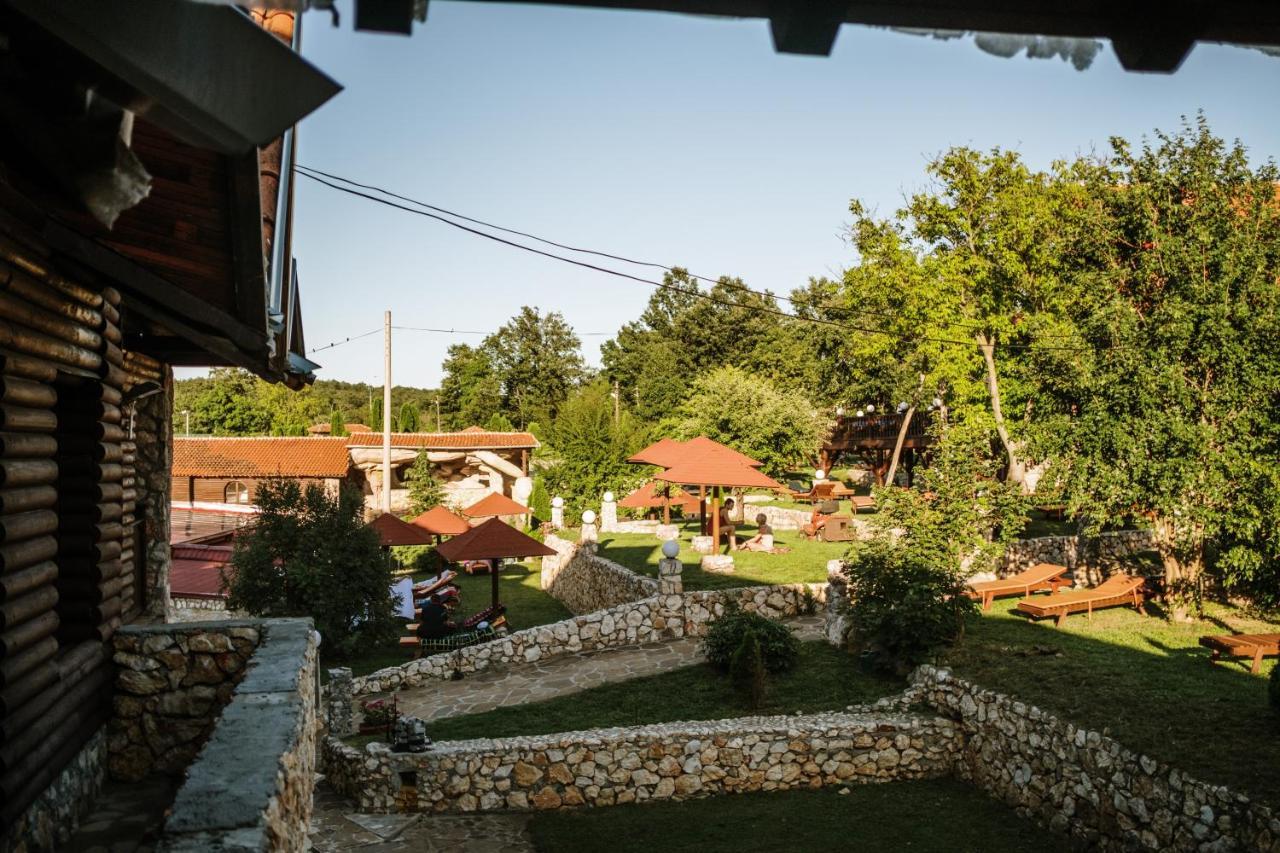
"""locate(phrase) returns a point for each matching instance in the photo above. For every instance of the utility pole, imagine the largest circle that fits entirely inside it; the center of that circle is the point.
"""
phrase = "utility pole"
(617, 401)
(186, 413)
(386, 412)
(438, 413)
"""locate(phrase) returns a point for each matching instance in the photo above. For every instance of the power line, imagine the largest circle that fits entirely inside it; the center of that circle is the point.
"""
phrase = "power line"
(742, 288)
(473, 332)
(344, 341)
(675, 288)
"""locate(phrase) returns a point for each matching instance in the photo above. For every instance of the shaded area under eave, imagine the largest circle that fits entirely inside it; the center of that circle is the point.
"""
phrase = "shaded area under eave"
(493, 540)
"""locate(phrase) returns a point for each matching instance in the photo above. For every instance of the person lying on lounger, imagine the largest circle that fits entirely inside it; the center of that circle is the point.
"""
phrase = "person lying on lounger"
(763, 540)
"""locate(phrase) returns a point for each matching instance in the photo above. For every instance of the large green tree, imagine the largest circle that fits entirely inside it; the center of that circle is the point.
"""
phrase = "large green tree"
(591, 447)
(537, 360)
(471, 391)
(776, 426)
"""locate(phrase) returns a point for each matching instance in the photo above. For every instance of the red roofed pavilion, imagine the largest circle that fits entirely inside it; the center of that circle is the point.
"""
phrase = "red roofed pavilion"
(493, 540)
(494, 504)
(394, 531)
(439, 521)
(717, 471)
(653, 495)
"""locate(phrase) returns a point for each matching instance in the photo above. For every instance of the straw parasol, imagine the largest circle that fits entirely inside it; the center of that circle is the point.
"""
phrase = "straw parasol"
(493, 540)
(717, 471)
(393, 531)
(494, 504)
(440, 522)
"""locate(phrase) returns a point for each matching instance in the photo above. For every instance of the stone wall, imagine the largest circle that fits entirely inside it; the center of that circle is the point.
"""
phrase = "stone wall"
(653, 619)
(251, 786)
(1090, 558)
(50, 821)
(201, 610)
(674, 761)
(153, 464)
(584, 581)
(1087, 785)
(171, 683)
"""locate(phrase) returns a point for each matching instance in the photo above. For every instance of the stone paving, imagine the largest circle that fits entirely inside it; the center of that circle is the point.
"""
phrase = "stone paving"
(126, 817)
(499, 687)
(335, 828)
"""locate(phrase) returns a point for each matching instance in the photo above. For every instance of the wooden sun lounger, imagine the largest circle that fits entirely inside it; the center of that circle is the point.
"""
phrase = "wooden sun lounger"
(861, 502)
(430, 585)
(1117, 590)
(1255, 646)
(1038, 577)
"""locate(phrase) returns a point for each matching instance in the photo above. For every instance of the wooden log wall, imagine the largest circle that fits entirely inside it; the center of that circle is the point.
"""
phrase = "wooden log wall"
(68, 495)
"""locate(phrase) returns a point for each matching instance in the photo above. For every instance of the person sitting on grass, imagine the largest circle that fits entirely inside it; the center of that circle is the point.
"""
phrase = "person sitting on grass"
(817, 521)
(763, 540)
(434, 624)
(727, 529)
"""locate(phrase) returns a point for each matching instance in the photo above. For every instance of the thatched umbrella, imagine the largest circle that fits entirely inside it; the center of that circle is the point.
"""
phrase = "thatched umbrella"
(494, 540)
(717, 471)
(438, 521)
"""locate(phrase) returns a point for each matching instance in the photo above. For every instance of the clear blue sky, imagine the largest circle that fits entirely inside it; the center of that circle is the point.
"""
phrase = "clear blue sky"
(680, 139)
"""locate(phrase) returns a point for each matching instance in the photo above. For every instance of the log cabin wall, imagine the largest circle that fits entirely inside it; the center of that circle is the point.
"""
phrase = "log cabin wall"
(74, 564)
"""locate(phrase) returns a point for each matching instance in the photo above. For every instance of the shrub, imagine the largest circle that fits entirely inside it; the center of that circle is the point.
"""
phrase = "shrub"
(746, 668)
(540, 501)
(902, 606)
(311, 554)
(778, 646)
(428, 562)
(1273, 689)
(425, 490)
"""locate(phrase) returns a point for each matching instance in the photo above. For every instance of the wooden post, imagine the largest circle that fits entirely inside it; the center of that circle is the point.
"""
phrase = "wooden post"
(715, 518)
(386, 412)
(702, 510)
(497, 567)
(666, 504)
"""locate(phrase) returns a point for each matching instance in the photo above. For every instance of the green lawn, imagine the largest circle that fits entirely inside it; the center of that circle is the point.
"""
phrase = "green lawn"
(527, 606)
(824, 679)
(806, 562)
(1144, 681)
(934, 815)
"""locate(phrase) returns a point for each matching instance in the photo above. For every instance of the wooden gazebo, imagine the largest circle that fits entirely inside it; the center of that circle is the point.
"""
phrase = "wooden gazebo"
(438, 521)
(494, 540)
(717, 471)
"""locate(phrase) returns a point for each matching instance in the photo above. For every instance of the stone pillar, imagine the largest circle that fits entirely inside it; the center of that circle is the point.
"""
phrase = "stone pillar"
(153, 431)
(670, 581)
(608, 514)
(338, 703)
(835, 623)
(557, 512)
(589, 535)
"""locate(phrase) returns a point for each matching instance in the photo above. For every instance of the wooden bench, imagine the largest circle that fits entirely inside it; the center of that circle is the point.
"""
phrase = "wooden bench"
(1039, 577)
(1115, 591)
(1254, 646)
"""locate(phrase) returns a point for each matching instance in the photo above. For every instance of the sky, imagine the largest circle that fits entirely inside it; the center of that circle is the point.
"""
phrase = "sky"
(682, 140)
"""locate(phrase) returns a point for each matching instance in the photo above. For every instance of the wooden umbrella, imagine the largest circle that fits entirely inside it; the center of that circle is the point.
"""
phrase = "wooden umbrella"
(493, 540)
(394, 531)
(493, 505)
(717, 471)
(653, 495)
(438, 521)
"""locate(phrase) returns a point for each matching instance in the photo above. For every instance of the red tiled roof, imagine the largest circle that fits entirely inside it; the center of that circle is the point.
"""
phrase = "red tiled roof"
(395, 531)
(495, 539)
(649, 496)
(310, 456)
(465, 440)
(666, 452)
(494, 504)
(441, 522)
(716, 470)
(207, 553)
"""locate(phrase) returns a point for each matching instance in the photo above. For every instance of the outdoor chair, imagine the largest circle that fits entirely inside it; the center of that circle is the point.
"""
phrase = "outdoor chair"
(1117, 590)
(1255, 646)
(824, 491)
(435, 584)
(861, 502)
(1039, 577)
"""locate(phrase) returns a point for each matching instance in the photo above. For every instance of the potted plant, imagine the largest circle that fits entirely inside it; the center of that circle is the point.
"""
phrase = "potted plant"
(379, 716)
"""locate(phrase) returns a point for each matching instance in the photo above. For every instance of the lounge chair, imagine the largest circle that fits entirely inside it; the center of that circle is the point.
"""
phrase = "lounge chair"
(1038, 577)
(824, 491)
(861, 502)
(1255, 646)
(1117, 590)
(435, 584)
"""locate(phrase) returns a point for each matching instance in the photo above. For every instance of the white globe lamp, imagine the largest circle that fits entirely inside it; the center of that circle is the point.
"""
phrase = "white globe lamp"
(670, 549)
(608, 497)
(589, 517)
(557, 502)
(818, 474)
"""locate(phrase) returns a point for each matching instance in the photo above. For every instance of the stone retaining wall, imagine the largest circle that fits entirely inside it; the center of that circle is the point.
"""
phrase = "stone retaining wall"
(201, 610)
(1087, 785)
(674, 761)
(584, 581)
(1090, 558)
(251, 786)
(171, 683)
(652, 619)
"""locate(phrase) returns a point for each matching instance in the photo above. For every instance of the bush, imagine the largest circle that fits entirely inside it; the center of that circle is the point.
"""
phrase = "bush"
(1273, 689)
(311, 554)
(746, 668)
(902, 606)
(778, 646)
(540, 502)
(429, 562)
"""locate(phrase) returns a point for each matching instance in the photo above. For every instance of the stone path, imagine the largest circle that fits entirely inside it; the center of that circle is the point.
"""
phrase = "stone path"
(520, 684)
(126, 817)
(335, 828)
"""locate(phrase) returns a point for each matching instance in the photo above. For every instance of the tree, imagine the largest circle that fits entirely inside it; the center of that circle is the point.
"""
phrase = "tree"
(499, 422)
(229, 404)
(310, 554)
(592, 447)
(779, 428)
(409, 420)
(336, 424)
(1171, 413)
(470, 391)
(537, 360)
(540, 501)
(375, 414)
(424, 489)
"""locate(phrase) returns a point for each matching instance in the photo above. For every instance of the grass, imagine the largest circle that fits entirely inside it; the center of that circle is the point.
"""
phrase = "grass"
(806, 562)
(823, 679)
(1144, 681)
(519, 585)
(924, 816)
